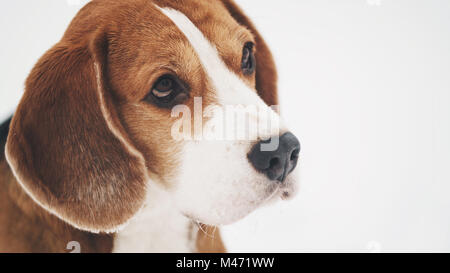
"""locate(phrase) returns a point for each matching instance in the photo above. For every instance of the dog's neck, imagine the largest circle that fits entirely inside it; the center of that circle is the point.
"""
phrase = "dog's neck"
(158, 227)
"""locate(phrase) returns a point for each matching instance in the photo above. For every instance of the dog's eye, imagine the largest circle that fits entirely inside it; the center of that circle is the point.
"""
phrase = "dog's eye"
(163, 87)
(167, 91)
(248, 59)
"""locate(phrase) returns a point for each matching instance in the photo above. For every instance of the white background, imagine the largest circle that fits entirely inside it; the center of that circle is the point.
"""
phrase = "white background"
(364, 84)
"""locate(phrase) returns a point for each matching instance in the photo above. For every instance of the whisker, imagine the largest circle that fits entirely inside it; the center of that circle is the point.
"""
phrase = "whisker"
(201, 228)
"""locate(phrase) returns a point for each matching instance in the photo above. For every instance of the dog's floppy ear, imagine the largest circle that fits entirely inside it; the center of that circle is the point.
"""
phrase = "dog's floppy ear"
(266, 74)
(66, 145)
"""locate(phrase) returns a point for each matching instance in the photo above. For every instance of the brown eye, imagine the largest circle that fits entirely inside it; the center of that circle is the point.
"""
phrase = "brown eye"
(168, 91)
(163, 87)
(248, 59)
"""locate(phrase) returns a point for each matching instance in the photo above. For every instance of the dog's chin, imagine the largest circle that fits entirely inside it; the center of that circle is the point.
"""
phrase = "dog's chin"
(275, 193)
(284, 192)
(289, 190)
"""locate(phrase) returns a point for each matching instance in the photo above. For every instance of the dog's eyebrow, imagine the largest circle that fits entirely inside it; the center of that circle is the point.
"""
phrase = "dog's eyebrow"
(245, 35)
(209, 57)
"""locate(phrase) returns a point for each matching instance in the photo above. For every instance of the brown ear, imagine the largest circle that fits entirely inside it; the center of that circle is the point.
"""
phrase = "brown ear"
(66, 145)
(266, 74)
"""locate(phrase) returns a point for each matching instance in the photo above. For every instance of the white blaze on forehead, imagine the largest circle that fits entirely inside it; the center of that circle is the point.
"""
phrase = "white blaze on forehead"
(218, 73)
(225, 82)
(230, 89)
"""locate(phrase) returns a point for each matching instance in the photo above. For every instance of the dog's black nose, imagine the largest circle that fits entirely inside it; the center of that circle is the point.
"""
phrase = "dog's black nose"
(279, 161)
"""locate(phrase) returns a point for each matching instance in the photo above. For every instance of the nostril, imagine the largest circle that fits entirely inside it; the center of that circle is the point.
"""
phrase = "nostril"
(295, 154)
(274, 163)
(276, 168)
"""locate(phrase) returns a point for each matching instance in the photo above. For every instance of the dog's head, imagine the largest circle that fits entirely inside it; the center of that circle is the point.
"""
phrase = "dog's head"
(138, 94)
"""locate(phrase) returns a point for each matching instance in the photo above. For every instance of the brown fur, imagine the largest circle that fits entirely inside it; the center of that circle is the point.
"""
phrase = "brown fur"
(83, 142)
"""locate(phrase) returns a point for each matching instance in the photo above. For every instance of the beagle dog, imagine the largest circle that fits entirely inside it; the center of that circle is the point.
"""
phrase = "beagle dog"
(93, 156)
